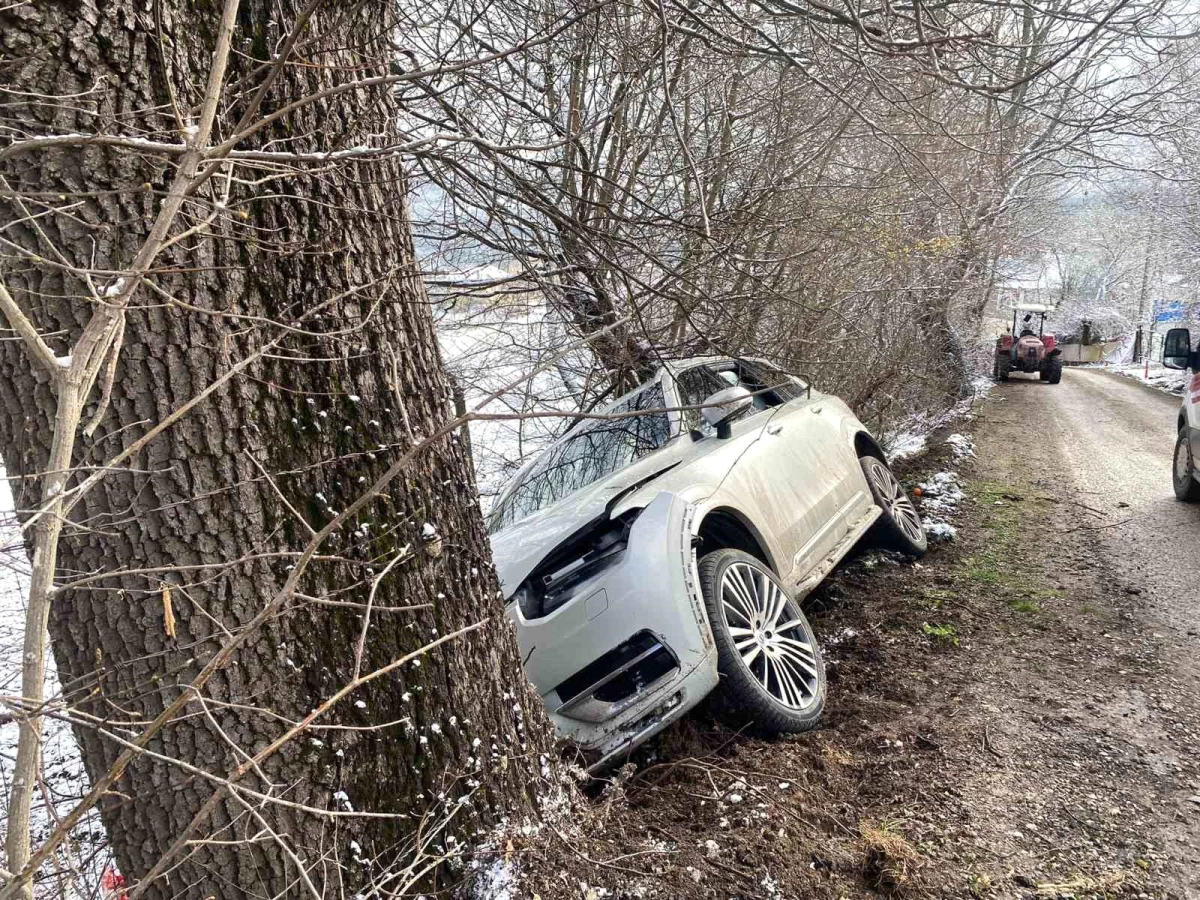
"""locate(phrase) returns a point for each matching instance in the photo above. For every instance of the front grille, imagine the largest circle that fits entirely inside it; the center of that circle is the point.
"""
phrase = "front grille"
(637, 677)
(601, 689)
(608, 664)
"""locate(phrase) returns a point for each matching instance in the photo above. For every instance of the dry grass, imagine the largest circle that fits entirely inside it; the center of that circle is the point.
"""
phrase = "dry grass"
(1083, 886)
(889, 861)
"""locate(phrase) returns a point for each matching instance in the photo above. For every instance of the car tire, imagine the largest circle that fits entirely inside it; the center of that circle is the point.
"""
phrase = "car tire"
(771, 678)
(1054, 370)
(1183, 469)
(899, 526)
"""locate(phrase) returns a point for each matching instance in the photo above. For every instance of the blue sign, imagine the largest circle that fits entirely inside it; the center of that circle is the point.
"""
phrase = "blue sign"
(1169, 312)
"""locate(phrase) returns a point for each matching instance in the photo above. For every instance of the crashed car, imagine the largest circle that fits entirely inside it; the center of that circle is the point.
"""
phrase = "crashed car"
(661, 550)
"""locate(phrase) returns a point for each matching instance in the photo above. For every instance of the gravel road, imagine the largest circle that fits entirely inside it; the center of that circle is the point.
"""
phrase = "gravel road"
(1103, 443)
(1116, 437)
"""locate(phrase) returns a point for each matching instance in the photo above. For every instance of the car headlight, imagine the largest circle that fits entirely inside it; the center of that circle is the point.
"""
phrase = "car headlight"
(571, 566)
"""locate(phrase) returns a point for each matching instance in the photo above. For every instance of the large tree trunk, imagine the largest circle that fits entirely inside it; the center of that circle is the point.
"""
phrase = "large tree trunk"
(193, 516)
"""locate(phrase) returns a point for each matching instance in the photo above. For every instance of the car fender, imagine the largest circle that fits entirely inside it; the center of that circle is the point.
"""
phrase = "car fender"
(706, 498)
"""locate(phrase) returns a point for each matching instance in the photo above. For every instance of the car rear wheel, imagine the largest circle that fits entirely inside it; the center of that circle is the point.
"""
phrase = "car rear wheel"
(1184, 469)
(772, 674)
(899, 527)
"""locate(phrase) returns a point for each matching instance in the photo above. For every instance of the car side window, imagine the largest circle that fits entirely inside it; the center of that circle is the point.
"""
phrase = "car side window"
(779, 387)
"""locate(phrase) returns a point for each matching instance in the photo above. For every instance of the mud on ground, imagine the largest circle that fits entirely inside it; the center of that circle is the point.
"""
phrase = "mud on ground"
(994, 728)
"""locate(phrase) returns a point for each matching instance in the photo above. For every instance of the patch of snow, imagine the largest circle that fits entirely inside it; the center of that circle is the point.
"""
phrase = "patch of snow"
(940, 531)
(910, 437)
(497, 882)
(960, 445)
(940, 496)
(1170, 381)
(906, 444)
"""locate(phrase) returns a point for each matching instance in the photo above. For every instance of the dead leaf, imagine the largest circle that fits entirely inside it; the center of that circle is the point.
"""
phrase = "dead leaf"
(168, 612)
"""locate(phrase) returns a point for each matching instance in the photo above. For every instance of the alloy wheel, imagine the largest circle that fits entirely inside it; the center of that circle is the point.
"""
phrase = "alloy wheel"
(770, 635)
(895, 501)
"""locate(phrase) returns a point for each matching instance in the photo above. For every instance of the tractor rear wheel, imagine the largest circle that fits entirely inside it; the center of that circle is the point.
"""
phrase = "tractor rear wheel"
(1001, 367)
(1054, 370)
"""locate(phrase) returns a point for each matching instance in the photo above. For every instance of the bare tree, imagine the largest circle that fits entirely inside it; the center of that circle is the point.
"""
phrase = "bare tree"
(260, 556)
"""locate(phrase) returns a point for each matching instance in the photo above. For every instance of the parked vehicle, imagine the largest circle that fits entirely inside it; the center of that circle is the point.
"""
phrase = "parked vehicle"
(663, 549)
(1028, 352)
(1178, 354)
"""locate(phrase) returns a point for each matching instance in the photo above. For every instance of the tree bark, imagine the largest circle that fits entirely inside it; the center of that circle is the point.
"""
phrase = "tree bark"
(192, 528)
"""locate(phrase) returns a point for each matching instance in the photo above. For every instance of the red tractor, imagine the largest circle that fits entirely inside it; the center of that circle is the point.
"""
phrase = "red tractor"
(1026, 351)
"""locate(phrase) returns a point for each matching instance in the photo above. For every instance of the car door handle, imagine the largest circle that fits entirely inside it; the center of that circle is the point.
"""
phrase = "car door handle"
(774, 429)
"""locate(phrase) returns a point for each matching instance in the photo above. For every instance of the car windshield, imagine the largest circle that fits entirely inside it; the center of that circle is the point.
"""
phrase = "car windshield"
(594, 449)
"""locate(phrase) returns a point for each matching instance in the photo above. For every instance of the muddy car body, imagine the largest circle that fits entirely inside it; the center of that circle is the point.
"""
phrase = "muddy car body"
(607, 548)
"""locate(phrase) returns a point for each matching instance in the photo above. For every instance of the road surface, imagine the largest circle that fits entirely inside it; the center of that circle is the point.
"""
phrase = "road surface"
(1102, 444)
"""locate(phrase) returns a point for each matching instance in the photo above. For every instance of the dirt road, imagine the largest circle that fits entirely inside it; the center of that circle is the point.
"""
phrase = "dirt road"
(1118, 741)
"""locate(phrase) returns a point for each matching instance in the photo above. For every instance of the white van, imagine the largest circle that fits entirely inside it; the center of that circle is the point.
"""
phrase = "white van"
(1178, 354)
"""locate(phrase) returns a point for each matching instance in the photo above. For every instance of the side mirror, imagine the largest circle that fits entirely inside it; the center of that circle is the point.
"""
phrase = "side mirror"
(719, 407)
(1177, 349)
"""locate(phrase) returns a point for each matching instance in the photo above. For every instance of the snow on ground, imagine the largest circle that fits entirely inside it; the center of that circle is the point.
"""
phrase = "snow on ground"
(939, 499)
(910, 437)
(961, 445)
(496, 882)
(1172, 381)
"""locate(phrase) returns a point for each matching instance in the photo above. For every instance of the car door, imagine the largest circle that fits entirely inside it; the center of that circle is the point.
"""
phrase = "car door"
(805, 449)
(765, 468)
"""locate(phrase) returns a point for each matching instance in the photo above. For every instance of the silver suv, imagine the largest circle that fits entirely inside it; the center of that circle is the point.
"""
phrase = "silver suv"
(663, 549)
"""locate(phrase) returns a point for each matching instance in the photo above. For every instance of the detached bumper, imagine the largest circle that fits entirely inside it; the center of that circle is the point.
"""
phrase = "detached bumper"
(632, 651)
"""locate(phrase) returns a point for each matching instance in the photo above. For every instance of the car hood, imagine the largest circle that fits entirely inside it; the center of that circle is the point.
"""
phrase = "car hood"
(519, 548)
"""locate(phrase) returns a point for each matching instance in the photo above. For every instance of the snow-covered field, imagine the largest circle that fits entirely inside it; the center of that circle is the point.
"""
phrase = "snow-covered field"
(487, 348)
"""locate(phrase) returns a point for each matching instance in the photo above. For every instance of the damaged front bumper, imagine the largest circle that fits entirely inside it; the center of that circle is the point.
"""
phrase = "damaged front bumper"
(632, 650)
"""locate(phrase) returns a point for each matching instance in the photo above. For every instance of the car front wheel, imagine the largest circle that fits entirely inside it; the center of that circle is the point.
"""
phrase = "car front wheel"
(899, 527)
(771, 669)
(1184, 469)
